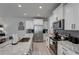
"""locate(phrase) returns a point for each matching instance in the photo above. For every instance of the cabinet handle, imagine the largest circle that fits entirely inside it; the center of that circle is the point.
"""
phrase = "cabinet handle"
(72, 26)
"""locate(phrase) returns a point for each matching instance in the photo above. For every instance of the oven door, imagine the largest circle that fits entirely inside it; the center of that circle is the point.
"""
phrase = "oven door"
(53, 46)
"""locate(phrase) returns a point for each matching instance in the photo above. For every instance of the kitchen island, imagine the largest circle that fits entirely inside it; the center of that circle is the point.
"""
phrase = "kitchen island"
(21, 48)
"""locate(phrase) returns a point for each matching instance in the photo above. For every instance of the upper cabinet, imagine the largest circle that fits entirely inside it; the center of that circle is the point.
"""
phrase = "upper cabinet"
(71, 16)
(29, 24)
(58, 12)
(38, 21)
(58, 18)
(76, 15)
(70, 13)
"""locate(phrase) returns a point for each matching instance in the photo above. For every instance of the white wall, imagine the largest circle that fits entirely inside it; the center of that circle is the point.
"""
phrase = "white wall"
(11, 25)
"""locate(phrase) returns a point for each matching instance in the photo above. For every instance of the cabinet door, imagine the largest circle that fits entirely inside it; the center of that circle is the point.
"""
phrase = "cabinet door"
(69, 17)
(67, 51)
(76, 15)
(71, 53)
(60, 52)
(58, 12)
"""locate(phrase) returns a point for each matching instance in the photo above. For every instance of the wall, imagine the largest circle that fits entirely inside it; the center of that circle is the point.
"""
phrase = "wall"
(11, 25)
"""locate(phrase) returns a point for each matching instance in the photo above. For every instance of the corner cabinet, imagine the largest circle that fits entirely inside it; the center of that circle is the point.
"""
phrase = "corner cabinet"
(71, 16)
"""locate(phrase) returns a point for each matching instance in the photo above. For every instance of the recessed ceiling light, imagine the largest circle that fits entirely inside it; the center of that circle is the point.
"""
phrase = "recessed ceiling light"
(40, 7)
(25, 14)
(19, 5)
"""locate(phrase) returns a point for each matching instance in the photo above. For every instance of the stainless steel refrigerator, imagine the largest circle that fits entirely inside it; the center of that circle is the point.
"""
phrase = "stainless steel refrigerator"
(38, 33)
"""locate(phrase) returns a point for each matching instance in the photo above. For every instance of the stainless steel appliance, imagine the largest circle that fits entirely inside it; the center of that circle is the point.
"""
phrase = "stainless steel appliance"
(53, 42)
(58, 24)
(38, 33)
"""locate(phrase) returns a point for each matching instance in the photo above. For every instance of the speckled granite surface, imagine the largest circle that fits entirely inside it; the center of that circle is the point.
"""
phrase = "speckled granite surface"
(70, 45)
(19, 49)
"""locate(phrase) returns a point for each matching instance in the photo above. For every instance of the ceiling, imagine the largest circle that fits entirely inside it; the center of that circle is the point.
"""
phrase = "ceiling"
(30, 9)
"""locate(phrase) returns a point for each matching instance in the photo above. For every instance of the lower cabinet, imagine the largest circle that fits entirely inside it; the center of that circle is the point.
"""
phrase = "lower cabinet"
(64, 51)
(60, 50)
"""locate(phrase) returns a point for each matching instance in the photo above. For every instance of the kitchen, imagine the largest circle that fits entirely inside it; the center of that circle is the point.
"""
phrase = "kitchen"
(39, 29)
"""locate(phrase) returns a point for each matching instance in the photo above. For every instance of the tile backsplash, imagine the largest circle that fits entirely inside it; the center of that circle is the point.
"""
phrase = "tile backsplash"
(74, 33)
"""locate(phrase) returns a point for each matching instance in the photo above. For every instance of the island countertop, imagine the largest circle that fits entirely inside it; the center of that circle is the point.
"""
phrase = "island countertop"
(21, 48)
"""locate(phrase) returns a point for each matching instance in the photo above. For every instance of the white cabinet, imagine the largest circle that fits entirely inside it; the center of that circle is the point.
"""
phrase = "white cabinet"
(70, 13)
(38, 21)
(29, 24)
(62, 50)
(58, 12)
(76, 15)
(71, 16)
(67, 51)
(59, 50)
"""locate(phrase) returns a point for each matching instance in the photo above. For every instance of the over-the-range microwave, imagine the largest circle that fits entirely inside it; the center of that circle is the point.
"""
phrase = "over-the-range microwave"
(58, 24)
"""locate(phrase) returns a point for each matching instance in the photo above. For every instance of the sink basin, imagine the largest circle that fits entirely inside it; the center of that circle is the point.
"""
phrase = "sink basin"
(24, 40)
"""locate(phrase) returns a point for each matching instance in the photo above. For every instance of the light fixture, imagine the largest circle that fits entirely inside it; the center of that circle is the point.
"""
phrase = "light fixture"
(19, 5)
(40, 7)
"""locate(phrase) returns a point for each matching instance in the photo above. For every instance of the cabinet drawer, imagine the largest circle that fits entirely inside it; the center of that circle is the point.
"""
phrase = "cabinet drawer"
(66, 51)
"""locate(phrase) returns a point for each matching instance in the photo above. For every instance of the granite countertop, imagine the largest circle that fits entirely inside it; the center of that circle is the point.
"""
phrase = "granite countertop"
(19, 49)
(70, 45)
(3, 37)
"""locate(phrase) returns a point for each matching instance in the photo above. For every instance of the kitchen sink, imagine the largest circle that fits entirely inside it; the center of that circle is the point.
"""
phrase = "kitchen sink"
(24, 40)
